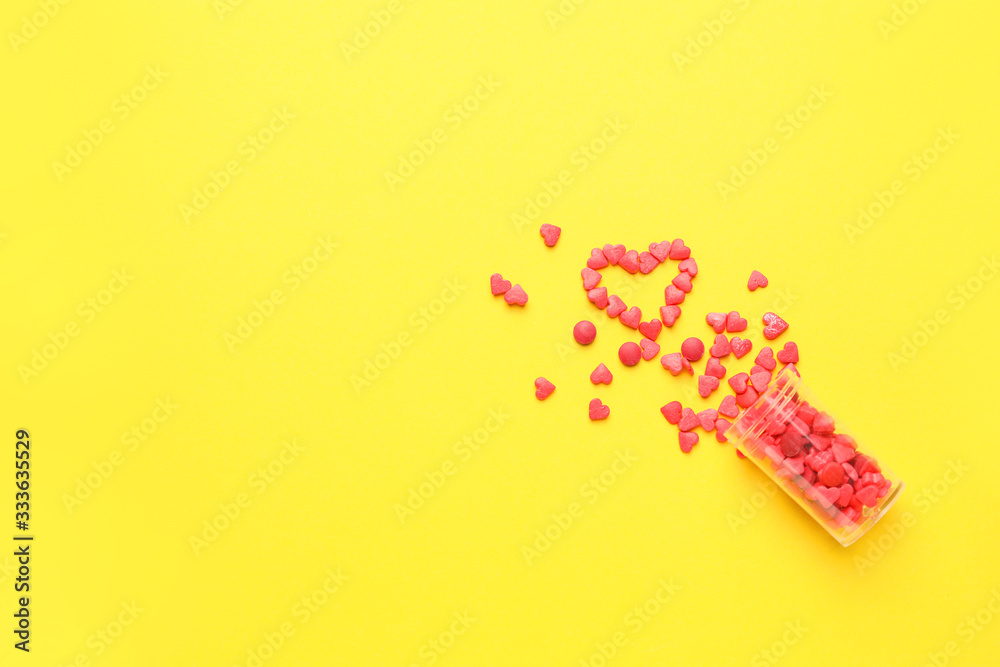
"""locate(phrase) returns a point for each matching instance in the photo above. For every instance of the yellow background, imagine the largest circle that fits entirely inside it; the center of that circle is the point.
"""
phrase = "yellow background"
(852, 299)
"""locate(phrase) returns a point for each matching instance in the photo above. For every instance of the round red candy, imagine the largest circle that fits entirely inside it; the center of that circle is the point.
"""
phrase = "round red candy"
(832, 474)
(630, 353)
(584, 332)
(692, 349)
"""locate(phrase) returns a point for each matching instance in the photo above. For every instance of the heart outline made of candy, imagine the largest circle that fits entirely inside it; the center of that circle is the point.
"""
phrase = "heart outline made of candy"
(634, 261)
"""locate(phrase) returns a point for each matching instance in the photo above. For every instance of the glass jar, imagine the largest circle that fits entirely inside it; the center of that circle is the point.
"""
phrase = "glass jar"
(801, 447)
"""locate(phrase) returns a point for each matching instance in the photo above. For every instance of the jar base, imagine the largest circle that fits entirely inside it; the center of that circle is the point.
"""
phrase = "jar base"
(870, 521)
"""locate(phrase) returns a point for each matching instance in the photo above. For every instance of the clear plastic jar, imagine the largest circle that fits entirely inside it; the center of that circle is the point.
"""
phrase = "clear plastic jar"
(799, 445)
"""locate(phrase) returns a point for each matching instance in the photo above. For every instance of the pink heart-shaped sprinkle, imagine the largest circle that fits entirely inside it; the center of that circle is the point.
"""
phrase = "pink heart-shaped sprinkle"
(823, 424)
(601, 375)
(647, 262)
(597, 259)
(543, 388)
(714, 368)
(688, 266)
(660, 250)
(689, 420)
(672, 411)
(866, 464)
(760, 380)
(651, 329)
(516, 295)
(717, 321)
(550, 233)
(789, 354)
(598, 410)
(871, 478)
(868, 495)
(765, 359)
(688, 441)
(721, 426)
(599, 297)
(826, 496)
(747, 398)
(498, 285)
(739, 382)
(630, 261)
(613, 253)
(669, 314)
(590, 278)
(757, 279)
(846, 493)
(649, 349)
(673, 296)
(673, 362)
(707, 384)
(735, 323)
(774, 326)
(845, 439)
(630, 318)
(707, 418)
(841, 453)
(615, 306)
(796, 464)
(682, 281)
(728, 407)
(678, 250)
(820, 442)
(721, 348)
(741, 346)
